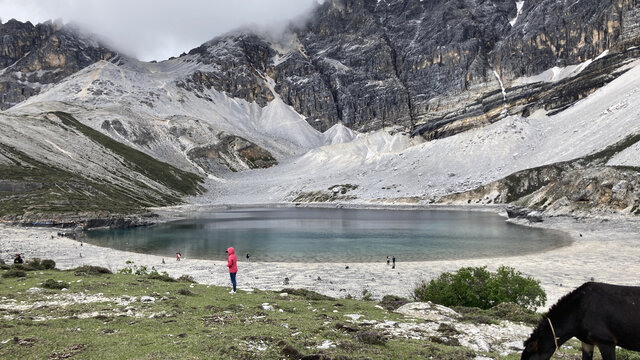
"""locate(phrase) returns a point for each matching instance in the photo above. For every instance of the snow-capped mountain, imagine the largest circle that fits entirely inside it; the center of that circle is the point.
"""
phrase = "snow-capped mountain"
(387, 101)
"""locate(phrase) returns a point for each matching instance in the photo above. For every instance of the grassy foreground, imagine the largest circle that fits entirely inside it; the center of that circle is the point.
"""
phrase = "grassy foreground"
(106, 317)
(51, 314)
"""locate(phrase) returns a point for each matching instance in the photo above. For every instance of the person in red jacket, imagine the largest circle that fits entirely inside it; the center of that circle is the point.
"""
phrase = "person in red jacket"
(232, 264)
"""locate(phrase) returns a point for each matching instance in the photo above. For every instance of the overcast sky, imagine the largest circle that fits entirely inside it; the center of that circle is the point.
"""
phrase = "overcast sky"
(158, 29)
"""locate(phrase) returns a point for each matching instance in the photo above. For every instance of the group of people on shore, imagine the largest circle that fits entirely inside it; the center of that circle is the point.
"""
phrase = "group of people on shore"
(232, 264)
(392, 259)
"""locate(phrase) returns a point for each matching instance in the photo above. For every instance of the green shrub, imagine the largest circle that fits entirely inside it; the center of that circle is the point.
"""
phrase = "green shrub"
(478, 287)
(162, 277)
(33, 264)
(48, 264)
(54, 284)
(14, 273)
(134, 269)
(185, 292)
(87, 270)
(186, 278)
(36, 264)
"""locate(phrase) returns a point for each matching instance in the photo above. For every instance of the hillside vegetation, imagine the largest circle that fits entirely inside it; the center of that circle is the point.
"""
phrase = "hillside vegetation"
(93, 175)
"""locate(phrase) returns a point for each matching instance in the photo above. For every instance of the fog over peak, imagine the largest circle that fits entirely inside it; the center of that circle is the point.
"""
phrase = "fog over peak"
(156, 30)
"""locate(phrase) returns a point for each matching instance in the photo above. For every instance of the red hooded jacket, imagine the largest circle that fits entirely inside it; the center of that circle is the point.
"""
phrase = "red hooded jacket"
(233, 261)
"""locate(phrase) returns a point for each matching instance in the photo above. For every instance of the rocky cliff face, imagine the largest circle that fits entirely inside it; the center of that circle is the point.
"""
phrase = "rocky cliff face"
(434, 67)
(427, 66)
(32, 57)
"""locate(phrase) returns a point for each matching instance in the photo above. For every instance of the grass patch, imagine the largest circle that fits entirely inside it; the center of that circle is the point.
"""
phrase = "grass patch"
(504, 311)
(128, 316)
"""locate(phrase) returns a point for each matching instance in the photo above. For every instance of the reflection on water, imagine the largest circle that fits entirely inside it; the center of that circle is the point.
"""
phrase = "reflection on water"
(334, 235)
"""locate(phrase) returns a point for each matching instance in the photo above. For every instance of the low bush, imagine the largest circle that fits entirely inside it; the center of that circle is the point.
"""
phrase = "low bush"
(186, 278)
(162, 277)
(392, 302)
(89, 270)
(48, 264)
(186, 292)
(478, 287)
(14, 273)
(36, 264)
(54, 284)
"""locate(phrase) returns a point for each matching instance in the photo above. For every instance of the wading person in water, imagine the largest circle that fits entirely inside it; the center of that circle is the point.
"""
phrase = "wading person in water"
(232, 264)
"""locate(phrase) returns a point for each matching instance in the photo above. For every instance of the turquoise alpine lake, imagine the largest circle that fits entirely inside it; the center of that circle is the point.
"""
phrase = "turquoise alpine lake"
(334, 235)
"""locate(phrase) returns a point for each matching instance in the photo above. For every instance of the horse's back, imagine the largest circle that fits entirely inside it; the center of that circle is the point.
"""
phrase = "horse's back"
(611, 312)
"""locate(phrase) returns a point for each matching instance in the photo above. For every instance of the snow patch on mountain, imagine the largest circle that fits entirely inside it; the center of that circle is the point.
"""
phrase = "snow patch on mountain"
(557, 73)
(519, 5)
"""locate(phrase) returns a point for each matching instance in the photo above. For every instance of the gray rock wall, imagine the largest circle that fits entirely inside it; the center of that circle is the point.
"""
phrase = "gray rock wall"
(33, 56)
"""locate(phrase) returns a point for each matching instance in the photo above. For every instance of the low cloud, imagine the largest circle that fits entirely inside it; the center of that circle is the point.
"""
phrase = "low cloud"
(156, 30)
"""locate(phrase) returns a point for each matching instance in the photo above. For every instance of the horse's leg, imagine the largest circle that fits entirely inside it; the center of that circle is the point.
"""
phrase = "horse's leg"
(587, 351)
(608, 352)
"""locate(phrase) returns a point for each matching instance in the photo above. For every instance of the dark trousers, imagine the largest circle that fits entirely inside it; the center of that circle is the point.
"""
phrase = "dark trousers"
(233, 280)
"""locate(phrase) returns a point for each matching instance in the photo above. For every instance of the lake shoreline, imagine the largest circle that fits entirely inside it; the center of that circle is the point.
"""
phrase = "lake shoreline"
(597, 243)
(332, 235)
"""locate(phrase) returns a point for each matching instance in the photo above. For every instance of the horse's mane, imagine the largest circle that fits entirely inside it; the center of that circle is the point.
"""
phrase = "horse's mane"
(561, 307)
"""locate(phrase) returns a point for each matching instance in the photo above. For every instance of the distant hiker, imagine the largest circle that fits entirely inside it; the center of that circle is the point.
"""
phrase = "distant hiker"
(388, 260)
(177, 256)
(163, 260)
(80, 243)
(247, 256)
(232, 264)
(393, 260)
(18, 259)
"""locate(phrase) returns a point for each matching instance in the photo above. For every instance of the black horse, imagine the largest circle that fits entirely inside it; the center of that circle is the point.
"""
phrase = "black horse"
(598, 314)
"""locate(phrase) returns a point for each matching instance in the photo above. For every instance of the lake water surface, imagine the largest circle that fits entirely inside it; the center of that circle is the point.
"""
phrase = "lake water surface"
(334, 235)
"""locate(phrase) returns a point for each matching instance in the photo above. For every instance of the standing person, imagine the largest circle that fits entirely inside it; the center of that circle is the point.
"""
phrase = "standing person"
(393, 260)
(177, 256)
(388, 259)
(247, 256)
(232, 264)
